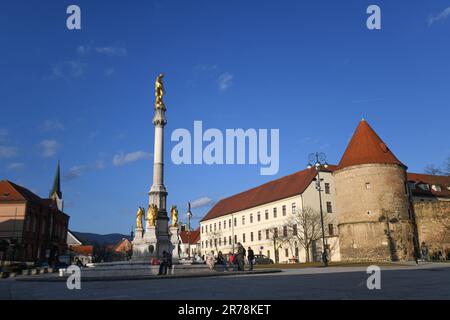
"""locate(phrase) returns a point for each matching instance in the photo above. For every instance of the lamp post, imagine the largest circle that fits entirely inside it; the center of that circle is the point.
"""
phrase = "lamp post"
(318, 160)
(189, 215)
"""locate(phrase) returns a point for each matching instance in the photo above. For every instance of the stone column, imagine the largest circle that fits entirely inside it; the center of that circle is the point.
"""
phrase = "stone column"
(158, 193)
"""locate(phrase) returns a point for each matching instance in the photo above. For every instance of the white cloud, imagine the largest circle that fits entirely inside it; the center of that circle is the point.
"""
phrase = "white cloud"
(7, 152)
(48, 148)
(440, 16)
(15, 166)
(99, 165)
(83, 50)
(3, 135)
(75, 172)
(109, 72)
(225, 81)
(50, 125)
(201, 202)
(68, 69)
(79, 170)
(112, 51)
(122, 159)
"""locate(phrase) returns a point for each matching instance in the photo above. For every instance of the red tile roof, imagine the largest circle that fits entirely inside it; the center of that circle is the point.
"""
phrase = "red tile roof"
(442, 181)
(123, 245)
(195, 236)
(429, 179)
(10, 191)
(285, 187)
(367, 147)
(84, 250)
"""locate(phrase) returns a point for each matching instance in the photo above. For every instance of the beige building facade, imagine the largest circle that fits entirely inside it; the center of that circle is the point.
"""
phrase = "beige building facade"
(255, 225)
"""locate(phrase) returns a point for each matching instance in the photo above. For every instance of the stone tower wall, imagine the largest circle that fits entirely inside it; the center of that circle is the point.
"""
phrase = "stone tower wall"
(433, 225)
(373, 214)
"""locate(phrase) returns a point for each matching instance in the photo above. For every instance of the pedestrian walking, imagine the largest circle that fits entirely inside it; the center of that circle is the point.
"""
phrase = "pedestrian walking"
(250, 257)
(325, 258)
(210, 260)
(240, 257)
(416, 257)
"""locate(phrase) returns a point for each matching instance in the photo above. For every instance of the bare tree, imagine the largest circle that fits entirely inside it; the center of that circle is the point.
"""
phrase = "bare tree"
(435, 170)
(305, 226)
(213, 237)
(432, 169)
(278, 238)
(447, 166)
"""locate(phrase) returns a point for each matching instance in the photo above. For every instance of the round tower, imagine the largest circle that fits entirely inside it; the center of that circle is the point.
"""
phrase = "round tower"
(372, 201)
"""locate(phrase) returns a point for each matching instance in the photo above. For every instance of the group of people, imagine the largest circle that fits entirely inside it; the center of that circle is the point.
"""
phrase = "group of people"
(165, 263)
(237, 259)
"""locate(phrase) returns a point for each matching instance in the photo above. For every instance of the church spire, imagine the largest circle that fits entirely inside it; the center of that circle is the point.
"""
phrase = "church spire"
(56, 193)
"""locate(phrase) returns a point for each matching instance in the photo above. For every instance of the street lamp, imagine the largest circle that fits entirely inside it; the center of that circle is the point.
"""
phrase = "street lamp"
(318, 160)
(189, 215)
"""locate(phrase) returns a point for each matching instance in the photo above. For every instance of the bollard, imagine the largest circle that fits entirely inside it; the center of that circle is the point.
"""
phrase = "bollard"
(61, 272)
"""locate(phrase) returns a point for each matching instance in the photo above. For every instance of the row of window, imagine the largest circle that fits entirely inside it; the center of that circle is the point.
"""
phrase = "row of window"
(219, 225)
(32, 222)
(211, 243)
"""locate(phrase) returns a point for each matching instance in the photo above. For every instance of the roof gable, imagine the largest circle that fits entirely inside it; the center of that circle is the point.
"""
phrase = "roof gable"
(194, 237)
(10, 191)
(367, 147)
(72, 239)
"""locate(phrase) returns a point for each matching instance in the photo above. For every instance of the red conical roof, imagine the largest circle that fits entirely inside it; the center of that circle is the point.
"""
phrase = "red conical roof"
(367, 147)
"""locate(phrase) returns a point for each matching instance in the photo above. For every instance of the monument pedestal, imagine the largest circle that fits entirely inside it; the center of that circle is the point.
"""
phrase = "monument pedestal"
(145, 244)
(175, 244)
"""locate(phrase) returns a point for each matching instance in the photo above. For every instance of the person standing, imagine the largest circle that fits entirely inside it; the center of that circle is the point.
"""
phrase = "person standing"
(221, 260)
(163, 264)
(240, 257)
(232, 260)
(250, 257)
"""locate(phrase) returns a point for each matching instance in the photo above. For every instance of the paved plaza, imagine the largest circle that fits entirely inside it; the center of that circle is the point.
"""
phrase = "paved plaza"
(431, 281)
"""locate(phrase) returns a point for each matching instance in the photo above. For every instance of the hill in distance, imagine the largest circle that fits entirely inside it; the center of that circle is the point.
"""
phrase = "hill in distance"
(100, 239)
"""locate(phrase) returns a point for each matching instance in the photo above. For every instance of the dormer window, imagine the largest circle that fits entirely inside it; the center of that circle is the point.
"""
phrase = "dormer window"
(424, 186)
(436, 187)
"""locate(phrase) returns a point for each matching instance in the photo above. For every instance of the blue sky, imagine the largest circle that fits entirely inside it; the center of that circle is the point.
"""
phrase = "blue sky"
(309, 68)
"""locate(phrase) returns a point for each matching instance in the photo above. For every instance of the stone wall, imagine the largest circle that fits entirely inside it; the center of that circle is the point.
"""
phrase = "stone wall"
(433, 225)
(372, 211)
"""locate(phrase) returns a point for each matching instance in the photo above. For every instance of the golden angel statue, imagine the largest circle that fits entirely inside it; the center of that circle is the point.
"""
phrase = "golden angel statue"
(151, 215)
(159, 89)
(174, 214)
(139, 216)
